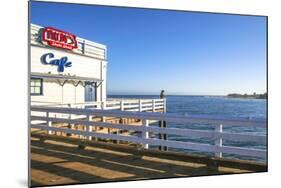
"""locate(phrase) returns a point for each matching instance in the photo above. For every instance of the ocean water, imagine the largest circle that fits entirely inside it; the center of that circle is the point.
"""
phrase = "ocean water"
(217, 106)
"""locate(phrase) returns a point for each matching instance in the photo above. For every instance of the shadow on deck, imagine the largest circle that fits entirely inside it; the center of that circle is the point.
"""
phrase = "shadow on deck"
(57, 160)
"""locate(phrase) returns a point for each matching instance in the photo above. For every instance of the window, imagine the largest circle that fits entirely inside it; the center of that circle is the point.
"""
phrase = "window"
(36, 86)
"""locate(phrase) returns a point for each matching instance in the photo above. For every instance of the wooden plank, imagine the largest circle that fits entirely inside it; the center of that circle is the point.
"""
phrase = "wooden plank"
(147, 105)
(130, 106)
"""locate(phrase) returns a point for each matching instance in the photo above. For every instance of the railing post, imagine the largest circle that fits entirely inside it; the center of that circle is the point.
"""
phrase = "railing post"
(103, 107)
(140, 105)
(162, 124)
(49, 123)
(89, 127)
(218, 142)
(122, 109)
(164, 105)
(117, 133)
(145, 134)
(70, 125)
(165, 136)
(153, 105)
(122, 105)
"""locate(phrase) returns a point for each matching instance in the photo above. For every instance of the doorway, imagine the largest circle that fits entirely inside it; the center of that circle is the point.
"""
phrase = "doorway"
(90, 91)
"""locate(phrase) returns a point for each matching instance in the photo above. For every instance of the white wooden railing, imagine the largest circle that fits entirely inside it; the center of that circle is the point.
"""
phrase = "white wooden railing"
(140, 105)
(47, 116)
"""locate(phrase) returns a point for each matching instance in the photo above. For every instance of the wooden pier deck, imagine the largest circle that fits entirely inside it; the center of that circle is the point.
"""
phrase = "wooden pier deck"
(57, 160)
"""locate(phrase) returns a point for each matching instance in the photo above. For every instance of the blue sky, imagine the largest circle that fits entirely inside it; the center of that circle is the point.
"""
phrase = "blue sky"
(180, 52)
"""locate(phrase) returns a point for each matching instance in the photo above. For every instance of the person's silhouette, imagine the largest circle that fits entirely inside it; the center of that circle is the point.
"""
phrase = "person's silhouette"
(162, 95)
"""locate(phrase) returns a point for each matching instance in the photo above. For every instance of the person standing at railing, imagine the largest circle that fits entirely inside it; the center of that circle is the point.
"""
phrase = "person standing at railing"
(162, 94)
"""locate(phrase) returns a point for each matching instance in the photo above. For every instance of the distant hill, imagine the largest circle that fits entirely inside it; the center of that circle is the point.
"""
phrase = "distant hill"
(248, 96)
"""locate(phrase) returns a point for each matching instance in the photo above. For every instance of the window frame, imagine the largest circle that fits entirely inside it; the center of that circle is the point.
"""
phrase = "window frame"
(41, 86)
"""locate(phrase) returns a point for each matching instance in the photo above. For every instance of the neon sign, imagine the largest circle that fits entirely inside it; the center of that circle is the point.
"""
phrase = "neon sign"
(48, 59)
(58, 38)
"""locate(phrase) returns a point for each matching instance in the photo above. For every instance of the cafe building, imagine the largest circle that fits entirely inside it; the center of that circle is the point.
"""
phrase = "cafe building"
(65, 68)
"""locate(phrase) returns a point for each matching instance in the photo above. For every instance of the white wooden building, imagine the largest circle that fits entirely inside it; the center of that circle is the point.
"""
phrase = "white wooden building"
(84, 79)
(68, 71)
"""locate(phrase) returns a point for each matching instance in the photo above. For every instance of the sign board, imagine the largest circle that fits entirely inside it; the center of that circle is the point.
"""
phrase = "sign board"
(59, 39)
(48, 59)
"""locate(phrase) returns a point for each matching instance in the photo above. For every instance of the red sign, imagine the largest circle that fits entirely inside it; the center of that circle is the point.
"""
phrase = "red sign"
(58, 38)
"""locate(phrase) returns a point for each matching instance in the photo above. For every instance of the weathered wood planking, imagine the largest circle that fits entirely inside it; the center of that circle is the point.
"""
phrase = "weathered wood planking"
(58, 161)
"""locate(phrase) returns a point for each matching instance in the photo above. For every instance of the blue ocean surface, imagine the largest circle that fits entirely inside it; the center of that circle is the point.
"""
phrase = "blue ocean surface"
(217, 106)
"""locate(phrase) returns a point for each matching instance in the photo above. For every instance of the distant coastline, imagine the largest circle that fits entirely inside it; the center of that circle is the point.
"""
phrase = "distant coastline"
(232, 95)
(248, 96)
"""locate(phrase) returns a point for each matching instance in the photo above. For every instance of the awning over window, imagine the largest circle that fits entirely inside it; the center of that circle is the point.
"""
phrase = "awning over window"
(62, 79)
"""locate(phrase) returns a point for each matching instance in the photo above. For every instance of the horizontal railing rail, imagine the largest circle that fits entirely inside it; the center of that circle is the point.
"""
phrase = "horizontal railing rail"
(46, 115)
(181, 118)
